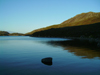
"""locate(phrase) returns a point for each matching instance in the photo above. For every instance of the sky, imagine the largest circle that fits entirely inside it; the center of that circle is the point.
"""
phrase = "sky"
(23, 16)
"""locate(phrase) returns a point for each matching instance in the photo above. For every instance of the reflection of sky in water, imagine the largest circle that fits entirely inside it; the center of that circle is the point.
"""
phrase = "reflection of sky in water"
(22, 56)
(30, 38)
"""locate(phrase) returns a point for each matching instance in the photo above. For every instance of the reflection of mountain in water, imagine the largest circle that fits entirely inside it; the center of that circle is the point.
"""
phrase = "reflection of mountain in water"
(84, 52)
(79, 48)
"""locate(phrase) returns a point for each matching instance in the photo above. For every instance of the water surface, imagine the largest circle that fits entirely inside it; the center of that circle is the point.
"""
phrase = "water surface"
(21, 55)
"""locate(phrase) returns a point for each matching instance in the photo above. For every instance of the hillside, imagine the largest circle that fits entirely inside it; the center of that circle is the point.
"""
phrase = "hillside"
(83, 19)
(80, 19)
(16, 34)
(87, 31)
(4, 33)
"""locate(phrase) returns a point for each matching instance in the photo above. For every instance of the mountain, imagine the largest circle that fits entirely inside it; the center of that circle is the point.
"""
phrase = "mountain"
(78, 20)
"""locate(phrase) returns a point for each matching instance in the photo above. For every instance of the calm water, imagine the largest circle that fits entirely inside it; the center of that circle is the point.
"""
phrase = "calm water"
(21, 55)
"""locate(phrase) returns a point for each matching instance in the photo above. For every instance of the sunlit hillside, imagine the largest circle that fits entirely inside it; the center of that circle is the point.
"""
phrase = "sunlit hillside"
(82, 19)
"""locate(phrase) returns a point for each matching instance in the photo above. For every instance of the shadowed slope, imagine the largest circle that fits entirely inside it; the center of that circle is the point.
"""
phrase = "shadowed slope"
(88, 31)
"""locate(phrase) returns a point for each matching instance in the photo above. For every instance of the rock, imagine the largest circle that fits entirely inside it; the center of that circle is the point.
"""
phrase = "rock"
(47, 61)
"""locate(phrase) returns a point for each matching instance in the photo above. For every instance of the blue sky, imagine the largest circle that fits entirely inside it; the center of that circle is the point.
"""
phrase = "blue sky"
(26, 15)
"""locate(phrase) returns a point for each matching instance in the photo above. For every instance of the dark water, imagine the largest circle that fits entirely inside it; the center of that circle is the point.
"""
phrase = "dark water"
(21, 55)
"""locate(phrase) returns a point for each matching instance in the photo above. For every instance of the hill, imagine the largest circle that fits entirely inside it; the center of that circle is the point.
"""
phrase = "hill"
(87, 31)
(16, 34)
(83, 19)
(78, 20)
(4, 33)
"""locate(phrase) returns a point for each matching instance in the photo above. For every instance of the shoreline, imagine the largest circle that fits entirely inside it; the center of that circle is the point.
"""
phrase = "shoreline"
(94, 42)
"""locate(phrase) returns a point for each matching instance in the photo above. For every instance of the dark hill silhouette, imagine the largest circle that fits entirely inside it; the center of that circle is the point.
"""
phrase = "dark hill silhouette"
(88, 31)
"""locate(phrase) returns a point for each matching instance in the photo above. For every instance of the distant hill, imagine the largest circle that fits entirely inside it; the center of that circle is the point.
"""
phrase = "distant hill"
(78, 20)
(16, 34)
(4, 33)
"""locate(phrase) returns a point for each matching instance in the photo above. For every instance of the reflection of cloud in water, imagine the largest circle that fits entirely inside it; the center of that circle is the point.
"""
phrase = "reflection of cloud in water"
(78, 48)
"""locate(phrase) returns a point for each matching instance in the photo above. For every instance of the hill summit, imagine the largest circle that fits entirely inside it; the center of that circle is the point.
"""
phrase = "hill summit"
(83, 19)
